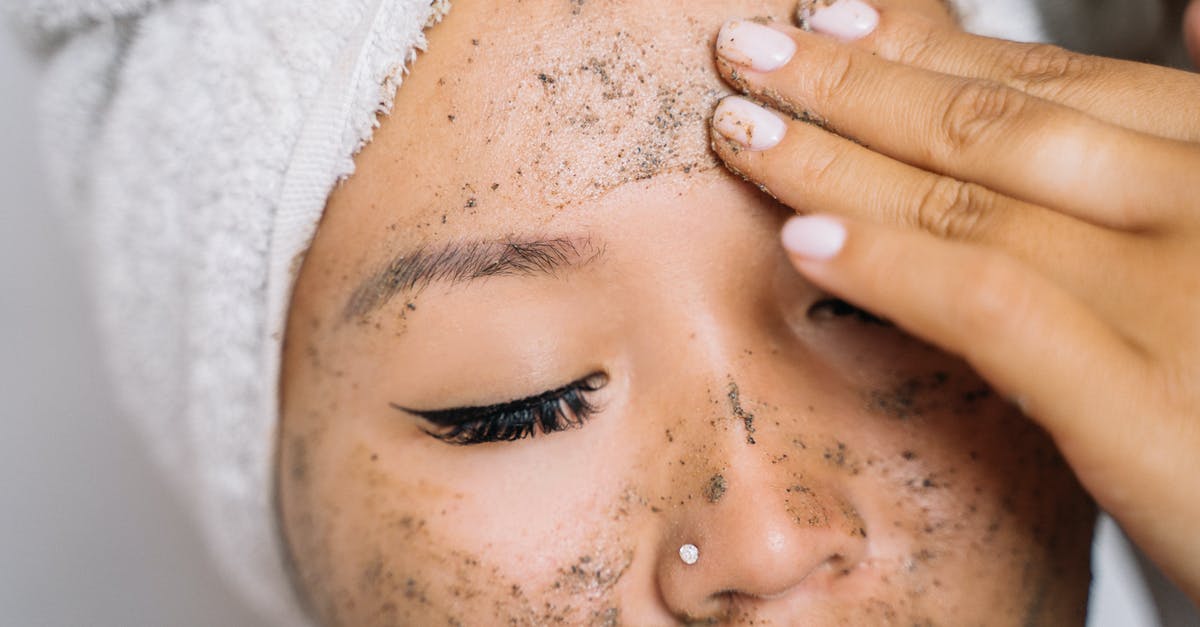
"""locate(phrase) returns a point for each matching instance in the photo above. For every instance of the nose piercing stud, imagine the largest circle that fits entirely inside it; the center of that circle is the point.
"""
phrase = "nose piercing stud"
(689, 554)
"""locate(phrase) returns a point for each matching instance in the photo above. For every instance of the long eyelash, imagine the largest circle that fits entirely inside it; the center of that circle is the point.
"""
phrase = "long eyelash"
(837, 308)
(556, 410)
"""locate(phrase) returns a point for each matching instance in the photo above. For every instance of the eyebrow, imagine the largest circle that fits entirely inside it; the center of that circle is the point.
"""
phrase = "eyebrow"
(464, 261)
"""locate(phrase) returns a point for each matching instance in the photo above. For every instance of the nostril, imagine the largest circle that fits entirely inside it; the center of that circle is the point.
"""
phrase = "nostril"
(770, 597)
(839, 565)
(763, 546)
(721, 606)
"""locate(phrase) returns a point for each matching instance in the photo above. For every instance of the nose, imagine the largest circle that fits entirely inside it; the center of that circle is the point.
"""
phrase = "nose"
(760, 539)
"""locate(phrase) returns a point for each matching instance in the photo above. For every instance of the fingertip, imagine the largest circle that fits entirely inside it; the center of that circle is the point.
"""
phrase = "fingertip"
(760, 47)
(748, 123)
(728, 150)
(738, 159)
(814, 237)
(1191, 32)
(846, 20)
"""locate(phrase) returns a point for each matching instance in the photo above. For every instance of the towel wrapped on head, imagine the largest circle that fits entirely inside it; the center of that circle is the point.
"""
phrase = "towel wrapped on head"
(191, 145)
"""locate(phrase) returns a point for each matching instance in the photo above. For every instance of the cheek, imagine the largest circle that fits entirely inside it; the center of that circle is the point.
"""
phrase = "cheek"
(413, 533)
(970, 489)
(949, 483)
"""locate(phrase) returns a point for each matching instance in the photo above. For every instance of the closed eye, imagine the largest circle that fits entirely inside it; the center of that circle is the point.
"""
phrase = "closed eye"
(562, 408)
(833, 308)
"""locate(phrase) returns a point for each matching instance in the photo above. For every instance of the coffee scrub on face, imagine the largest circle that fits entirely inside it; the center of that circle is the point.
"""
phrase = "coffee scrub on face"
(586, 294)
(452, 317)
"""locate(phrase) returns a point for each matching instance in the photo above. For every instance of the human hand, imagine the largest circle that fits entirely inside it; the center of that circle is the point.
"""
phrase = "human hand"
(1033, 210)
(1191, 31)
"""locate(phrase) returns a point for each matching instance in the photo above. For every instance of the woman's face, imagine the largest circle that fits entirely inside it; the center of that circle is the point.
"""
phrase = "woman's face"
(542, 340)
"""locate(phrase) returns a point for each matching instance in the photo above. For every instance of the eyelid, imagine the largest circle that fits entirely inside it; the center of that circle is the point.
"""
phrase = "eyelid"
(460, 415)
(832, 307)
(556, 410)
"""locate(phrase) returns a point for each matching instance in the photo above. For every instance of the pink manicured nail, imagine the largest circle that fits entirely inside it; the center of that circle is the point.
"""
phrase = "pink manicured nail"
(762, 48)
(815, 237)
(748, 124)
(845, 19)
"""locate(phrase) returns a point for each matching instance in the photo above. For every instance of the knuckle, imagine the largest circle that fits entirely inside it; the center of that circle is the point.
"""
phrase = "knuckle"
(1044, 67)
(975, 110)
(836, 76)
(913, 42)
(821, 166)
(952, 209)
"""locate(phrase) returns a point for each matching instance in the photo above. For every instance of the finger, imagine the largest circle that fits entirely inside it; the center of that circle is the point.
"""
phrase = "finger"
(1030, 339)
(810, 170)
(1191, 32)
(1138, 96)
(1094, 393)
(973, 130)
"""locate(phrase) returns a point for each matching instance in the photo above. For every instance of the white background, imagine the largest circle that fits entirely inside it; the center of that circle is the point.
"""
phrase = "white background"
(89, 536)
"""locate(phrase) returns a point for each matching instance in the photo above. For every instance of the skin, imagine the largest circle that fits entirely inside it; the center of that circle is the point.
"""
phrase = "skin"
(1030, 209)
(1191, 31)
(827, 466)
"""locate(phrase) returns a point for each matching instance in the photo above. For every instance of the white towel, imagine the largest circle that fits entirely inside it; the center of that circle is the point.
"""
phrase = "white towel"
(191, 145)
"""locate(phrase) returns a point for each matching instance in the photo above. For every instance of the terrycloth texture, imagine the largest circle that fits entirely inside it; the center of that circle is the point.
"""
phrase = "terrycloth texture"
(192, 144)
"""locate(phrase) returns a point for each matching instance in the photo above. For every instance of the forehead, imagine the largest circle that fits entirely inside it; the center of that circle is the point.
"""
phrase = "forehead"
(522, 110)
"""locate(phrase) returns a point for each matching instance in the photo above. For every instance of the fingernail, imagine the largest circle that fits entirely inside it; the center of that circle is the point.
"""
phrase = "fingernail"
(845, 19)
(762, 48)
(814, 237)
(748, 124)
